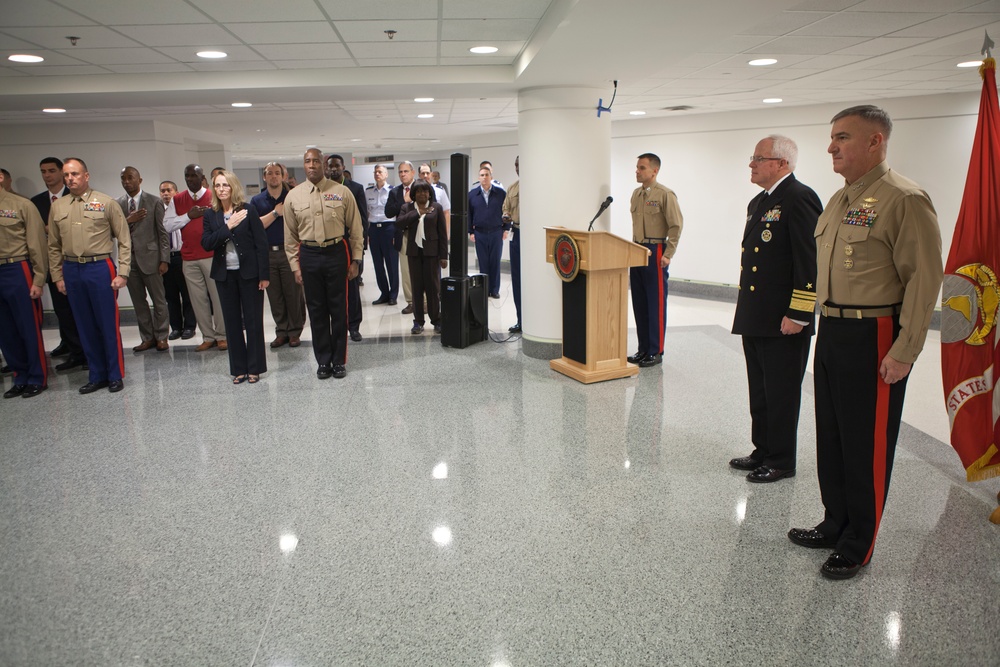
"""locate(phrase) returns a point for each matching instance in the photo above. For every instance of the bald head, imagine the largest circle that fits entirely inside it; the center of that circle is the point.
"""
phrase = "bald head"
(131, 180)
(312, 162)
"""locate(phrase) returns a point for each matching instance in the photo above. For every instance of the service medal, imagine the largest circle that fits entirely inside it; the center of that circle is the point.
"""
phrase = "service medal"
(765, 235)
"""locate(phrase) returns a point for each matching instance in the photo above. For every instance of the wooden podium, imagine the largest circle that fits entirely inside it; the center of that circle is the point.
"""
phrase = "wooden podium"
(594, 269)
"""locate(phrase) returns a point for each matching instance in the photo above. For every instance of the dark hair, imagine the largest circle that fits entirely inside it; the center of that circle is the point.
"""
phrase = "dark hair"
(422, 186)
(51, 160)
(870, 113)
(653, 159)
(171, 183)
(82, 163)
(334, 155)
(6, 173)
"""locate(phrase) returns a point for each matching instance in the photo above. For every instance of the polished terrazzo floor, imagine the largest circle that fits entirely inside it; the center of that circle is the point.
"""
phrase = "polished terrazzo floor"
(465, 507)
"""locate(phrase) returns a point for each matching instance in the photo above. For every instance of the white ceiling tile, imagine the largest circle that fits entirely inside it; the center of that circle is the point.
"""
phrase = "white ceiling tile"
(148, 69)
(989, 6)
(461, 49)
(208, 35)
(10, 45)
(478, 60)
(861, 24)
(398, 11)
(935, 6)
(231, 66)
(69, 70)
(806, 45)
(324, 51)
(240, 11)
(120, 56)
(827, 62)
(879, 47)
(278, 32)
(948, 25)
(39, 13)
(116, 12)
(55, 38)
(490, 30)
(786, 74)
(397, 62)
(784, 23)
(51, 58)
(494, 10)
(188, 54)
(374, 31)
(399, 50)
(314, 64)
(822, 5)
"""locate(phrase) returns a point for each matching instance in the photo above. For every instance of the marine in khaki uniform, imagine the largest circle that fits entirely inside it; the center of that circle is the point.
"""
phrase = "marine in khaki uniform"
(656, 224)
(512, 215)
(23, 268)
(879, 272)
(324, 241)
(84, 228)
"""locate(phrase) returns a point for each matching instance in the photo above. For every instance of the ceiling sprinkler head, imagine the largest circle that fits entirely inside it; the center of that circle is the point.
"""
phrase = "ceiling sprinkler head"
(390, 33)
(73, 39)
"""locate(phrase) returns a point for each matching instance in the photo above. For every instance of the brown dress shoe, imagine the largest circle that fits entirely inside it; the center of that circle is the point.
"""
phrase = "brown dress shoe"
(223, 345)
(279, 341)
(162, 345)
(207, 345)
(294, 341)
(144, 345)
(408, 310)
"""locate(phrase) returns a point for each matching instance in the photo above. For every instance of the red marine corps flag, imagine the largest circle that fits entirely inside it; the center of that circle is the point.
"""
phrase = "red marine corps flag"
(970, 355)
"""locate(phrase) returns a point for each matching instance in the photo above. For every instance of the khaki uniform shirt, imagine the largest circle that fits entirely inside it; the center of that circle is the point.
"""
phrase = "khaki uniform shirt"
(878, 244)
(22, 234)
(321, 212)
(85, 226)
(511, 205)
(656, 217)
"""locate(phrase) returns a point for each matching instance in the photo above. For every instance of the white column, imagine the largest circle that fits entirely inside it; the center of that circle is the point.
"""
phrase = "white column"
(565, 152)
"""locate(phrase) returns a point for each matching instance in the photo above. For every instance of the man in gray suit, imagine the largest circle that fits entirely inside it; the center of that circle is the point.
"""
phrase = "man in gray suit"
(150, 260)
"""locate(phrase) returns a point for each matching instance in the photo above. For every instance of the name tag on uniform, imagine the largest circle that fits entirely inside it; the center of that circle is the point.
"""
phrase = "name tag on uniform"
(860, 217)
(773, 215)
(332, 198)
(9, 214)
(94, 206)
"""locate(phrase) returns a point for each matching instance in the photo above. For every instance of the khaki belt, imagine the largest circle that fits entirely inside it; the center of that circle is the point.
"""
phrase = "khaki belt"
(86, 260)
(858, 313)
(323, 244)
(650, 241)
(12, 260)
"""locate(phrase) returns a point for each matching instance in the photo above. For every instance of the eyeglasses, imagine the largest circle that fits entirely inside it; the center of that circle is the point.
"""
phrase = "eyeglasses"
(760, 158)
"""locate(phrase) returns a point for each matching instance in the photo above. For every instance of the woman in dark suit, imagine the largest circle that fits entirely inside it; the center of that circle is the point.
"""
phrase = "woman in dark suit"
(422, 220)
(240, 270)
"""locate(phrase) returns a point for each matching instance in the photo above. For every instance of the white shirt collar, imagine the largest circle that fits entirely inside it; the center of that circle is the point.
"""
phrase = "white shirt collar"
(772, 188)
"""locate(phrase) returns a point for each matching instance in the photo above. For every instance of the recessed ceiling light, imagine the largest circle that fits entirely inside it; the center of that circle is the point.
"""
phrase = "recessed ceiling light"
(771, 100)
(355, 140)
(242, 105)
(423, 99)
(24, 58)
(484, 49)
(425, 115)
(971, 63)
(212, 54)
(636, 113)
(760, 62)
(54, 110)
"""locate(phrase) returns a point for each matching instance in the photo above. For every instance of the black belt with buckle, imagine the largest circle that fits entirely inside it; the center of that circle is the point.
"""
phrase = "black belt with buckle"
(859, 312)
(12, 260)
(175, 253)
(276, 248)
(86, 259)
(323, 244)
(382, 224)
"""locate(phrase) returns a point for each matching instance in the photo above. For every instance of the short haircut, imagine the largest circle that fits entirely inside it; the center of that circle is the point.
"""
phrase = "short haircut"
(6, 174)
(238, 195)
(51, 160)
(785, 148)
(382, 167)
(171, 183)
(485, 163)
(653, 159)
(422, 165)
(331, 156)
(82, 163)
(870, 113)
(131, 168)
(424, 186)
(405, 162)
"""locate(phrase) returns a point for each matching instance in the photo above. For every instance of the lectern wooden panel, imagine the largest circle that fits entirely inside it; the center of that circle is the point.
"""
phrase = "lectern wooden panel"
(594, 269)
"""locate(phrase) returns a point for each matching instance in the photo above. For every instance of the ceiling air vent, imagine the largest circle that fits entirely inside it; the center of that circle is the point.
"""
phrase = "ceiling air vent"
(679, 107)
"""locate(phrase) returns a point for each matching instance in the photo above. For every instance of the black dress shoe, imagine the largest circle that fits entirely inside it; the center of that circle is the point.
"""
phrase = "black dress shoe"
(496, 295)
(636, 358)
(116, 385)
(356, 336)
(515, 329)
(339, 371)
(839, 566)
(70, 364)
(650, 360)
(91, 387)
(811, 538)
(765, 474)
(392, 302)
(187, 333)
(324, 372)
(174, 335)
(15, 391)
(62, 350)
(5, 369)
(744, 463)
(31, 390)
(379, 301)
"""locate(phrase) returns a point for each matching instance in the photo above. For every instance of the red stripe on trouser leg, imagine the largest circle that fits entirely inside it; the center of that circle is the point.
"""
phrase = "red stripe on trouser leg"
(347, 296)
(118, 325)
(661, 305)
(36, 311)
(885, 334)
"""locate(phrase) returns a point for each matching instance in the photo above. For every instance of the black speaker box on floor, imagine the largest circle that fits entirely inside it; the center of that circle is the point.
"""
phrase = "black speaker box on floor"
(464, 310)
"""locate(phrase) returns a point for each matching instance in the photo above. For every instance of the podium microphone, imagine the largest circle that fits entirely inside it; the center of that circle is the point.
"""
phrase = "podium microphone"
(604, 206)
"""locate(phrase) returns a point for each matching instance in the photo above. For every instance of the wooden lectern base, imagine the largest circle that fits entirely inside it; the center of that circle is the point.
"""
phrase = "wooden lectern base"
(579, 373)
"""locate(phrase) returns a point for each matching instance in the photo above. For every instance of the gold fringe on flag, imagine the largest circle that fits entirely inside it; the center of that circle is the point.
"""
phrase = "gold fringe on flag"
(989, 63)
